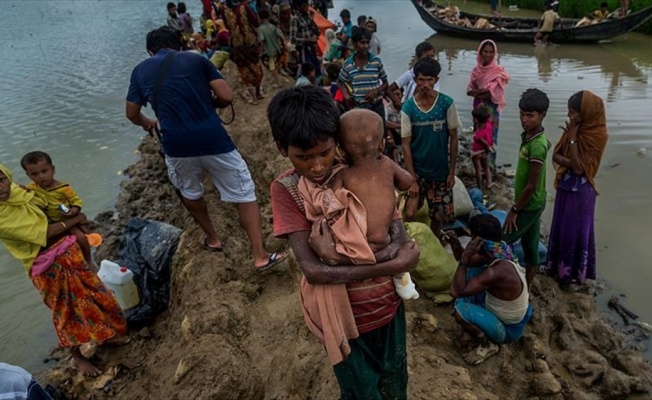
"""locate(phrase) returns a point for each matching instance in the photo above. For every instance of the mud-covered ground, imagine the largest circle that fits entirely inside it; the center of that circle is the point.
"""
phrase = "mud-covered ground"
(232, 333)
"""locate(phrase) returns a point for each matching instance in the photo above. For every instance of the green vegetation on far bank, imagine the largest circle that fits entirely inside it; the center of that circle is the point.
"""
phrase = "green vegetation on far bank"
(580, 8)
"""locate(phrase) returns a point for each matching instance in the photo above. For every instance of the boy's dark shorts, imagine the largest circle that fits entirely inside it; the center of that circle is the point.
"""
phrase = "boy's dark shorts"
(439, 198)
(529, 226)
(493, 5)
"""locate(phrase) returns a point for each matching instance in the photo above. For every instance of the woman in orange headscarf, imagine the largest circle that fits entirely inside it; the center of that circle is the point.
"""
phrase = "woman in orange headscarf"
(577, 156)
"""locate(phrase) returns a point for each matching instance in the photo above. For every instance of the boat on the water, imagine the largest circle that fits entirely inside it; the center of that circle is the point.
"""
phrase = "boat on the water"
(514, 29)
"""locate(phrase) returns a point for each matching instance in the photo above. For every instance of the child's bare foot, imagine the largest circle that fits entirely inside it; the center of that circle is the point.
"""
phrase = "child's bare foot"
(82, 365)
(490, 185)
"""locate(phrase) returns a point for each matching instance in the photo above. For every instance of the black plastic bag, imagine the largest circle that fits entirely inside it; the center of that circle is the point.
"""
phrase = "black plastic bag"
(147, 249)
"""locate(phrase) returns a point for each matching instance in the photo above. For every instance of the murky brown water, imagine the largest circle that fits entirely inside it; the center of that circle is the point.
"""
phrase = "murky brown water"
(65, 70)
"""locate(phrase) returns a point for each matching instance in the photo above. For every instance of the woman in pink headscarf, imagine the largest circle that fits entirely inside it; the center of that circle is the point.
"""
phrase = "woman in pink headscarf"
(487, 85)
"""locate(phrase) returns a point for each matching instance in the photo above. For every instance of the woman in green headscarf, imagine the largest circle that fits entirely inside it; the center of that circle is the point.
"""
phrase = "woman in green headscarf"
(83, 309)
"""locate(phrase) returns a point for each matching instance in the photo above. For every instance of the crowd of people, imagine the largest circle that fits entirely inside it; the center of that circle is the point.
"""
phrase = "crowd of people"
(353, 139)
(319, 203)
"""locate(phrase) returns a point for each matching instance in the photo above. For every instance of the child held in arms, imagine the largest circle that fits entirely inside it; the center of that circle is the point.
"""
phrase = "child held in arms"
(360, 204)
(62, 201)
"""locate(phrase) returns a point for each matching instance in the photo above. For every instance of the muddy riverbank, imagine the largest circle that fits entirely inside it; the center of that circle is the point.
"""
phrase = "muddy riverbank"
(230, 333)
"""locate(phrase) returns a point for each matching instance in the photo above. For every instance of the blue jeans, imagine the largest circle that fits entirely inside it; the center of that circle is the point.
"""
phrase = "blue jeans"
(472, 311)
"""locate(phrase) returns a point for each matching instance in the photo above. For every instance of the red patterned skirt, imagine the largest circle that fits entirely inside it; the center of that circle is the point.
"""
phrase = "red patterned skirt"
(83, 309)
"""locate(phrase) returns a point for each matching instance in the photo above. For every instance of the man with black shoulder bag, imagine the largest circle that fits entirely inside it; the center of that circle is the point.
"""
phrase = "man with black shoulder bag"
(183, 89)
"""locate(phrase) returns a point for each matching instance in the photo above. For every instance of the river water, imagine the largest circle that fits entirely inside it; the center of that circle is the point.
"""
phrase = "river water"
(65, 71)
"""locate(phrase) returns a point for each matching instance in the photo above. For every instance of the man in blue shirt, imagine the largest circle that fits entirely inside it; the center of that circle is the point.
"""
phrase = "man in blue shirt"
(193, 137)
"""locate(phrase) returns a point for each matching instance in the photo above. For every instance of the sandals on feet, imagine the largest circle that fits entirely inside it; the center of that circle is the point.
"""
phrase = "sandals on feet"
(274, 259)
(481, 353)
(204, 244)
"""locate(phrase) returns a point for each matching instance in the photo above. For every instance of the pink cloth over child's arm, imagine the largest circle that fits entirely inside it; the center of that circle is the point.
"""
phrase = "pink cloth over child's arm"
(346, 216)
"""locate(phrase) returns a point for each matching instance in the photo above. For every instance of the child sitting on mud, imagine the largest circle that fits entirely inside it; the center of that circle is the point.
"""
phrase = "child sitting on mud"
(63, 202)
(483, 144)
(360, 204)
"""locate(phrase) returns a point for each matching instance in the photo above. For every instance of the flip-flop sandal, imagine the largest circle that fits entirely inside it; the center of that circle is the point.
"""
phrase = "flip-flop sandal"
(204, 244)
(274, 259)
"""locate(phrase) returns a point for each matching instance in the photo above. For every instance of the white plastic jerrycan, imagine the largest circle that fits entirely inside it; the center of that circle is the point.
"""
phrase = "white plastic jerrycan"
(120, 281)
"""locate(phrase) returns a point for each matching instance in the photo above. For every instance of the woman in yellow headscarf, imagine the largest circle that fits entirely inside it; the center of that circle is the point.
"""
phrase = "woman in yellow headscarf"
(577, 156)
(210, 29)
(83, 309)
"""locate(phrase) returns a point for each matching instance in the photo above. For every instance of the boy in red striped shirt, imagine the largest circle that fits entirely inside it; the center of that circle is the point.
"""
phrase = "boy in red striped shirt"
(305, 123)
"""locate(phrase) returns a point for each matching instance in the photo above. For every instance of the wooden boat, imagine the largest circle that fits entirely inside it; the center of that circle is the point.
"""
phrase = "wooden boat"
(523, 29)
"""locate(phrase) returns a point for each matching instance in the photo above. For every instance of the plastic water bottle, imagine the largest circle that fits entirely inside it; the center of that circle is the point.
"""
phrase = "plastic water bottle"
(120, 281)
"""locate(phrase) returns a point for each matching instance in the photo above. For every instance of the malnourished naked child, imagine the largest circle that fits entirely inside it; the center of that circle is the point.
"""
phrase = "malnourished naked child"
(360, 203)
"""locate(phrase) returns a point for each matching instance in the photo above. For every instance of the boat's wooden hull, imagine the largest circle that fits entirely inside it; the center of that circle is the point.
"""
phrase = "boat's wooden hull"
(526, 28)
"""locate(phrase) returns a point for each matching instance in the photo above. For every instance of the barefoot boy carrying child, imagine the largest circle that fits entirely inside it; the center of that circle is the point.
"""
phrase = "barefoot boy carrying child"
(361, 321)
(359, 205)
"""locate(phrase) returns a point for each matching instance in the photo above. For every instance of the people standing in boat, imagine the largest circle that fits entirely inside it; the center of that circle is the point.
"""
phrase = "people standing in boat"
(547, 24)
(487, 87)
(576, 158)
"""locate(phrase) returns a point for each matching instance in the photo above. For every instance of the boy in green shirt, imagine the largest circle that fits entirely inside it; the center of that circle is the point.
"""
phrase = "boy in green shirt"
(524, 218)
(272, 39)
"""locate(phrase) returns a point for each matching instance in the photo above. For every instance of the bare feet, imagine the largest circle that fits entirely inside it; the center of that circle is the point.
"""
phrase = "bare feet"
(490, 185)
(82, 365)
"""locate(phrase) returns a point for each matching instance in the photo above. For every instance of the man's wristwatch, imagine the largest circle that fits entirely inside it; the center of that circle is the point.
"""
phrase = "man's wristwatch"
(514, 209)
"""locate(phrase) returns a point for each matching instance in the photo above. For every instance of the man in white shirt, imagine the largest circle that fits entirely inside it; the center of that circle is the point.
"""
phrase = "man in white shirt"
(406, 81)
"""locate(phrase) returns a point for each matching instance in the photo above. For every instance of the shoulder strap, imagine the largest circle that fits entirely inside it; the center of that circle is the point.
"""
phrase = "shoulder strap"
(162, 72)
